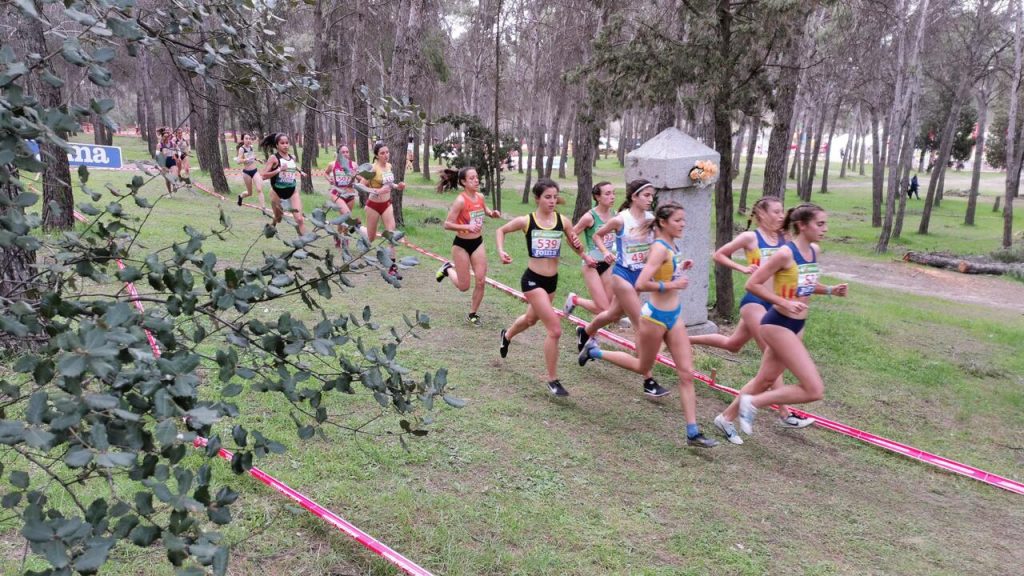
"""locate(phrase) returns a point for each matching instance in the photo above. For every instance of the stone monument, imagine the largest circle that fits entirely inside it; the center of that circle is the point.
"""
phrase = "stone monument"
(666, 161)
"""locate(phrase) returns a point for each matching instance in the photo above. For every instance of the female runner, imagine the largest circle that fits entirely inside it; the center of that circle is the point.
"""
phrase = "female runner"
(169, 153)
(632, 242)
(597, 274)
(759, 244)
(282, 171)
(466, 218)
(662, 276)
(343, 197)
(794, 273)
(181, 143)
(245, 155)
(544, 230)
(378, 206)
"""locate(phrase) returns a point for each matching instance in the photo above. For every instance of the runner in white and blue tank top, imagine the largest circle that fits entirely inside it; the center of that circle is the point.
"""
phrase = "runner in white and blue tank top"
(632, 248)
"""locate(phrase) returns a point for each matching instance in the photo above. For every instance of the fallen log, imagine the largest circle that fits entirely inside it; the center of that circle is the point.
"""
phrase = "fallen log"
(961, 265)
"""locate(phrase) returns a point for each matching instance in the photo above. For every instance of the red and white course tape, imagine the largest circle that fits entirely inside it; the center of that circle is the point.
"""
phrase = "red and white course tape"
(376, 546)
(873, 439)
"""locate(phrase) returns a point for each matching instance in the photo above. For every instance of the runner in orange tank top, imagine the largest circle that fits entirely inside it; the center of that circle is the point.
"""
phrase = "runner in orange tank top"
(466, 219)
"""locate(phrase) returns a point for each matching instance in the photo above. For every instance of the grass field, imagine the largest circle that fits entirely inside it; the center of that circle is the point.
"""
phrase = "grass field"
(602, 483)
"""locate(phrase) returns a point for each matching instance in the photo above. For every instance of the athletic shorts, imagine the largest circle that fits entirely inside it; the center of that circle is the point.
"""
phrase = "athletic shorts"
(602, 266)
(169, 162)
(468, 244)
(250, 173)
(776, 318)
(749, 298)
(626, 274)
(284, 193)
(532, 281)
(378, 207)
(666, 318)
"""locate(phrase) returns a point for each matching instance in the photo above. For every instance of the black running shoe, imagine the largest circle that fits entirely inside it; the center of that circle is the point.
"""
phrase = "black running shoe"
(581, 338)
(442, 272)
(503, 350)
(653, 389)
(556, 388)
(585, 355)
(474, 319)
(701, 441)
(239, 200)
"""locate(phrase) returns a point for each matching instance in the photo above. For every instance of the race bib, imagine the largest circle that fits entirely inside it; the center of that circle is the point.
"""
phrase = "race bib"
(477, 217)
(387, 178)
(636, 255)
(287, 175)
(342, 179)
(807, 279)
(546, 243)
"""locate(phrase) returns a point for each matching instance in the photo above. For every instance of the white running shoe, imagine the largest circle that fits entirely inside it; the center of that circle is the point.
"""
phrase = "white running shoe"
(747, 414)
(728, 429)
(624, 323)
(570, 303)
(794, 421)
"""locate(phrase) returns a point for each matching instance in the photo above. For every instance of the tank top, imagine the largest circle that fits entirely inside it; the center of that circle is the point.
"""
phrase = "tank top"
(473, 211)
(632, 246)
(544, 242)
(381, 176)
(670, 269)
(588, 236)
(800, 278)
(764, 250)
(168, 150)
(342, 178)
(284, 179)
(248, 155)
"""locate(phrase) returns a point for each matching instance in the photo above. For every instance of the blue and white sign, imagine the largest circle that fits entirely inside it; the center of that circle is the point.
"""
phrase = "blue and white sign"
(95, 156)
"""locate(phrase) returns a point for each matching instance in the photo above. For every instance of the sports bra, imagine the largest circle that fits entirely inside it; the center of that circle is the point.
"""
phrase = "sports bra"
(764, 250)
(588, 236)
(286, 177)
(544, 242)
(670, 269)
(799, 279)
(473, 211)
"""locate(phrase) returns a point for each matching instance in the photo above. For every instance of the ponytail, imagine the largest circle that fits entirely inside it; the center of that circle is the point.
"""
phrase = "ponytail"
(269, 144)
(801, 214)
(447, 181)
(759, 207)
(663, 213)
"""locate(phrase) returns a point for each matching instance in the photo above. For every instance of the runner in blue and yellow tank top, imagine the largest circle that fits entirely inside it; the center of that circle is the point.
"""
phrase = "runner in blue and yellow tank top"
(544, 231)
(795, 276)
(758, 244)
(632, 242)
(596, 272)
(663, 276)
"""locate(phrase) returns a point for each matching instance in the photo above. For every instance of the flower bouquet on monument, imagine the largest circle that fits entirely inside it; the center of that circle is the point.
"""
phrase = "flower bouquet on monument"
(703, 171)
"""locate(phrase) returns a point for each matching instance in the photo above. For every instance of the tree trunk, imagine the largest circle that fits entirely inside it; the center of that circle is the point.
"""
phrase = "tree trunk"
(620, 152)
(311, 143)
(588, 132)
(209, 135)
(794, 166)
(755, 131)
(722, 114)
(828, 147)
(17, 265)
(876, 173)
(406, 46)
(785, 100)
(945, 147)
(815, 152)
(565, 149)
(738, 145)
(56, 172)
(427, 139)
(553, 141)
(863, 153)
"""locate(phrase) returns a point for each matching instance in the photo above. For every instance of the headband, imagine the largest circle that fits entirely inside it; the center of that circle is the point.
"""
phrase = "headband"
(648, 185)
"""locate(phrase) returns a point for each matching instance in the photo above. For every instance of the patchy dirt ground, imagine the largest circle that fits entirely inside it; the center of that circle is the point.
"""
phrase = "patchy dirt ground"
(991, 291)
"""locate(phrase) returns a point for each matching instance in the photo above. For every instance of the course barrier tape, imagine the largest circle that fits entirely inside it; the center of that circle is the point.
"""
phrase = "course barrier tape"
(855, 433)
(371, 543)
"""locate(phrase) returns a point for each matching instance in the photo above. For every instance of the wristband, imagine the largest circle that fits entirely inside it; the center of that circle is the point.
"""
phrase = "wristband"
(661, 286)
(828, 290)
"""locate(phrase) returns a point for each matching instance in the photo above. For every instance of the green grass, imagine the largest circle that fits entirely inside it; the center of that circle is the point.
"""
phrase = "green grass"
(520, 483)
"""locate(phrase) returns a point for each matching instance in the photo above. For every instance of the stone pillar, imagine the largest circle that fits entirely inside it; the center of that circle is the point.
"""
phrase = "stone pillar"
(666, 161)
